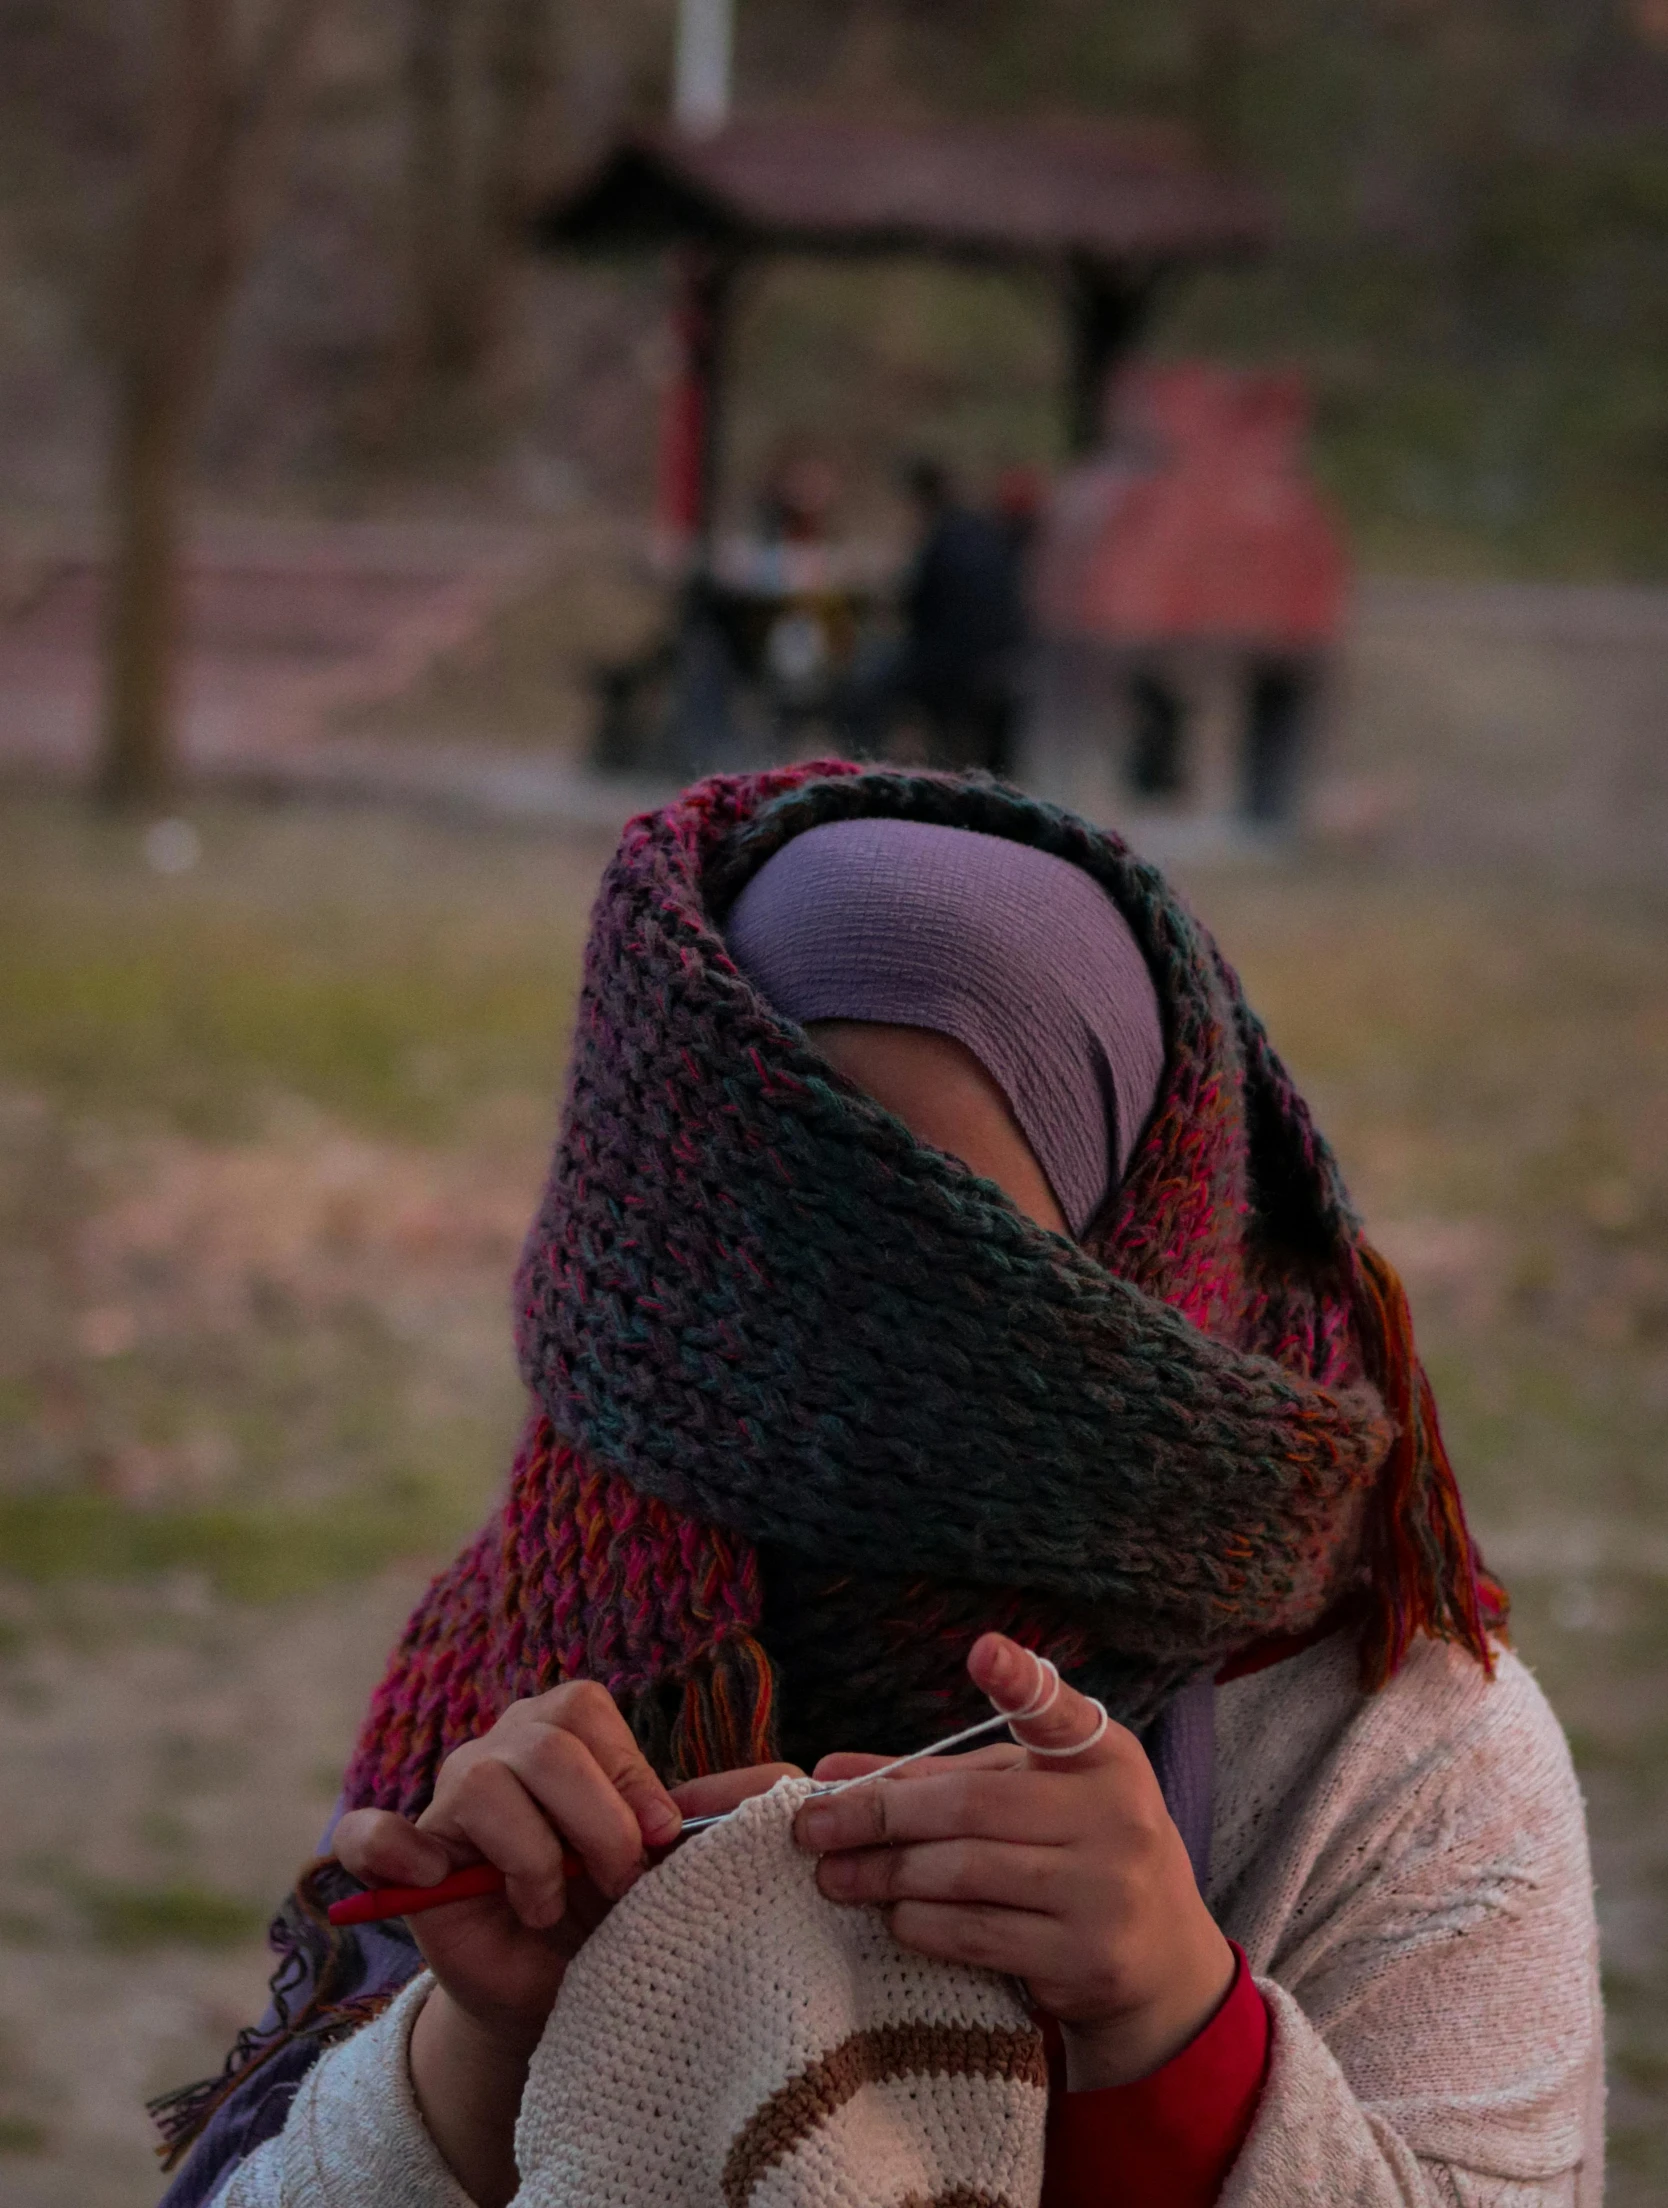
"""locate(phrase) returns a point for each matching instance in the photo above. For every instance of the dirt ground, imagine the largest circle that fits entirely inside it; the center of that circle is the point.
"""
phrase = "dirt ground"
(269, 1130)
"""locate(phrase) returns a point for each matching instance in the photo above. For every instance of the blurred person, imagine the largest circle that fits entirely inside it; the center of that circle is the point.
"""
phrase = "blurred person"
(964, 629)
(939, 1270)
(1282, 709)
(1021, 497)
(1195, 540)
(1157, 764)
(805, 612)
(796, 505)
(1277, 703)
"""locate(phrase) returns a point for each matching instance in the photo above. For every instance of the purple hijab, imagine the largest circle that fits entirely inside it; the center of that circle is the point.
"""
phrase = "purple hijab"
(1019, 956)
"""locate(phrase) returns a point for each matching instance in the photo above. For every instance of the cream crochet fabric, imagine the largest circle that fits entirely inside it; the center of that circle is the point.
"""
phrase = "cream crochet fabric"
(1407, 1872)
(730, 2036)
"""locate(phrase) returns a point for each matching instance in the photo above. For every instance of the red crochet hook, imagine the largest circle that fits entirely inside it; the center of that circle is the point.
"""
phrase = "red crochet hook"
(379, 1902)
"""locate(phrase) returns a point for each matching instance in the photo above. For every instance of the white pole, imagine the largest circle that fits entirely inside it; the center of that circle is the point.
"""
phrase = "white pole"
(701, 82)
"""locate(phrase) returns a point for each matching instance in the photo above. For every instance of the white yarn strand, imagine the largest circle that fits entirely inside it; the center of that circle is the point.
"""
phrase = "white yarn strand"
(1078, 1747)
(918, 1755)
(1050, 1696)
(1047, 1694)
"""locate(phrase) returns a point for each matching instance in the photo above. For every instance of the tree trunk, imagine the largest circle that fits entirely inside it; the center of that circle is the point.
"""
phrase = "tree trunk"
(441, 193)
(210, 155)
(144, 614)
(477, 77)
(1219, 56)
(517, 87)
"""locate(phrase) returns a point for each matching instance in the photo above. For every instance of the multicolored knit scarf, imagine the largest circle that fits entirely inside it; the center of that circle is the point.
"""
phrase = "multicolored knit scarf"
(814, 1405)
(775, 1343)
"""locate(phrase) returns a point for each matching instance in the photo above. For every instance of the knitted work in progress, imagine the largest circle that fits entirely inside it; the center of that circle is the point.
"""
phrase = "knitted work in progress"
(729, 2036)
(759, 1318)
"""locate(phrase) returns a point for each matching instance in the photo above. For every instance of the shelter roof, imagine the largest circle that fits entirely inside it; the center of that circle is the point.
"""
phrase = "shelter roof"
(1108, 193)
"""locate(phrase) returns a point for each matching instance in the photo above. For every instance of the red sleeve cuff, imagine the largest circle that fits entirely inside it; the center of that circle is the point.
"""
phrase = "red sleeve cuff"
(1168, 2140)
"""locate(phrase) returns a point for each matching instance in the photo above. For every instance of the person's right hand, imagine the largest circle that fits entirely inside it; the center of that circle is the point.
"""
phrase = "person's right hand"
(562, 1767)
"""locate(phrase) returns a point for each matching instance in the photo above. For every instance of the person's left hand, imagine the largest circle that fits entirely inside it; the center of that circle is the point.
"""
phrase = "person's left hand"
(1068, 1874)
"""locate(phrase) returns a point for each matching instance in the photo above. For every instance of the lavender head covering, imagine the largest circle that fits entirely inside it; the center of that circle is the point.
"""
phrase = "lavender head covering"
(1017, 955)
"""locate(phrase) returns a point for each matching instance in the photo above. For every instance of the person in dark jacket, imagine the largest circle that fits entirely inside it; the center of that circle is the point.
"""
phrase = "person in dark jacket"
(957, 665)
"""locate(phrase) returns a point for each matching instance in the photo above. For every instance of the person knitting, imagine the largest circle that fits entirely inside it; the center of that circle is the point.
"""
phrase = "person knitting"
(940, 1280)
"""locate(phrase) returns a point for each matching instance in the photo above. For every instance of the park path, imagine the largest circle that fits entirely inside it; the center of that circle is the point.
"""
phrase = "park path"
(289, 625)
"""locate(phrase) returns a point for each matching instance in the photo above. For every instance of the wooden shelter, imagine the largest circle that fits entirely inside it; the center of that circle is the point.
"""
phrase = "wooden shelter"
(1111, 210)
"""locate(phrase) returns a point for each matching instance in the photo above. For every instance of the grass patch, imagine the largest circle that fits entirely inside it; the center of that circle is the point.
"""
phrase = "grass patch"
(248, 1555)
(299, 958)
(22, 2135)
(1644, 2067)
(196, 1023)
(128, 1917)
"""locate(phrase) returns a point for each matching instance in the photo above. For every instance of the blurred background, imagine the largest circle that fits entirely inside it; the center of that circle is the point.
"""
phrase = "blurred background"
(430, 429)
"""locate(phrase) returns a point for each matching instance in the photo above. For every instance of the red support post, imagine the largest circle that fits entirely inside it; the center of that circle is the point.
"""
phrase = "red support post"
(687, 477)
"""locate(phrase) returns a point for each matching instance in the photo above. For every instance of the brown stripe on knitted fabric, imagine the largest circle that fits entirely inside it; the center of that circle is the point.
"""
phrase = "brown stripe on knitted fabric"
(959, 2196)
(871, 2057)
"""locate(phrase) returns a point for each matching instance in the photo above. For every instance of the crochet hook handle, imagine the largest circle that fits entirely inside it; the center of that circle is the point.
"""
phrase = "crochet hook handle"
(378, 1903)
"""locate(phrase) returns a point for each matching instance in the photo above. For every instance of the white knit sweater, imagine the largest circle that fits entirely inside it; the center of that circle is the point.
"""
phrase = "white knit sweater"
(1408, 1874)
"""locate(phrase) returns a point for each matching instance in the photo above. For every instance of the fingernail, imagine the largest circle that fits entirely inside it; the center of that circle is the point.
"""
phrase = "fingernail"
(661, 1822)
(815, 1828)
(837, 1876)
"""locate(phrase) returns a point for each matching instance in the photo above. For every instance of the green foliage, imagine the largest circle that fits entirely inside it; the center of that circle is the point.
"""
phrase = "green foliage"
(246, 1555)
(129, 1917)
(965, 366)
(1473, 265)
(199, 1000)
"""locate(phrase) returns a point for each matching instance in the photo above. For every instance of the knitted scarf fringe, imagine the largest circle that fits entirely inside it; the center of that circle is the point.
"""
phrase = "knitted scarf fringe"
(1424, 1572)
(728, 1715)
(723, 1718)
(312, 1952)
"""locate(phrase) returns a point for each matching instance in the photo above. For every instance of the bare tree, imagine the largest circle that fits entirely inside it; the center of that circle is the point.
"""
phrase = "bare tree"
(477, 77)
(218, 126)
(1220, 41)
(440, 190)
(518, 87)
